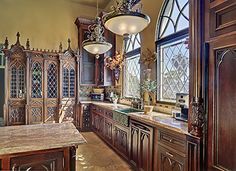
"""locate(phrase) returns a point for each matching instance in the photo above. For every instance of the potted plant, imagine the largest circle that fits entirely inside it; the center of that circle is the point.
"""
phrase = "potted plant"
(149, 88)
(115, 98)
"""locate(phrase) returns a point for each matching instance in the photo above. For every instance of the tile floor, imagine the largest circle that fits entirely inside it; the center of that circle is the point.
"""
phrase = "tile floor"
(97, 156)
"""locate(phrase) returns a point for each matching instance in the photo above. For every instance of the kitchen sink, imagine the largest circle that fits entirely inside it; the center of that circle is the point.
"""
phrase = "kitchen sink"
(121, 115)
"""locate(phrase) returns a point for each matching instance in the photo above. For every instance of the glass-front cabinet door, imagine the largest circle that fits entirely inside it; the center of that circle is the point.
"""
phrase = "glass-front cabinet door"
(44, 91)
(36, 112)
(51, 86)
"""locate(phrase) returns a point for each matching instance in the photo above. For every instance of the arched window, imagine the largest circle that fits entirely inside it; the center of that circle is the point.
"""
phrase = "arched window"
(172, 49)
(36, 80)
(52, 81)
(132, 67)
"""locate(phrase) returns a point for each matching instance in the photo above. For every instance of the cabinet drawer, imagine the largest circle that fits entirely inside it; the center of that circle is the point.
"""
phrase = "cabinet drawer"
(169, 160)
(174, 141)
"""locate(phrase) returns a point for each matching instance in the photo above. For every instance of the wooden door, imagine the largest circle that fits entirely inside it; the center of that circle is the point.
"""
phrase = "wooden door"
(52, 89)
(36, 112)
(68, 91)
(221, 36)
(108, 129)
(121, 140)
(17, 94)
(134, 143)
(146, 146)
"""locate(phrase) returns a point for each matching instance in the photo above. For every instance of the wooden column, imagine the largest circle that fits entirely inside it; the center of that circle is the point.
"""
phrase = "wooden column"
(197, 113)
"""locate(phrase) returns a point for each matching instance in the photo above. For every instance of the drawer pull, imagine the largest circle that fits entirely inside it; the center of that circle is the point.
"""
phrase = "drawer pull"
(169, 154)
(171, 140)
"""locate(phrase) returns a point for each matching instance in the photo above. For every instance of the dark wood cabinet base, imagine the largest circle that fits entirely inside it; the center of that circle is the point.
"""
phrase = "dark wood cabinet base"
(62, 159)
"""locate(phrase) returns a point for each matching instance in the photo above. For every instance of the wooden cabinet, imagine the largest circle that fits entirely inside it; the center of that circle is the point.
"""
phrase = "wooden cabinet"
(114, 134)
(171, 151)
(51, 160)
(41, 85)
(87, 61)
(108, 129)
(94, 71)
(105, 75)
(121, 140)
(141, 145)
(98, 120)
(221, 87)
(84, 118)
(169, 160)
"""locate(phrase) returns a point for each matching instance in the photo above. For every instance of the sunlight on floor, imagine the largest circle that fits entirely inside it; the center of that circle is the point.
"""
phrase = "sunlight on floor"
(97, 156)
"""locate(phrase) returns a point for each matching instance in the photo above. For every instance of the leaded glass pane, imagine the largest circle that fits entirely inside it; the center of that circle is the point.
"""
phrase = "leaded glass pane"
(36, 80)
(65, 82)
(174, 17)
(52, 81)
(72, 83)
(13, 83)
(132, 77)
(21, 81)
(133, 43)
(174, 70)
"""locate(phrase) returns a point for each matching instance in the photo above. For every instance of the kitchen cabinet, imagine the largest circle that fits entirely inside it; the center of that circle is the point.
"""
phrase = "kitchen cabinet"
(108, 128)
(141, 145)
(171, 151)
(121, 140)
(116, 135)
(105, 75)
(170, 161)
(97, 120)
(88, 61)
(84, 118)
(93, 72)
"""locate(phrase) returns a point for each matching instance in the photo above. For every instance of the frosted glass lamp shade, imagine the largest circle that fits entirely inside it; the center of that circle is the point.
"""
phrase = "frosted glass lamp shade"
(130, 23)
(97, 48)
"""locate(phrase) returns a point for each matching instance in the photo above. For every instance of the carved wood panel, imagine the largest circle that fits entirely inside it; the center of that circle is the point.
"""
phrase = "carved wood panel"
(222, 132)
(222, 17)
(39, 162)
(169, 161)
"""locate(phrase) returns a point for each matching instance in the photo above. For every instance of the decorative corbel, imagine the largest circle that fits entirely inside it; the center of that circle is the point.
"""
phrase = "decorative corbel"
(197, 119)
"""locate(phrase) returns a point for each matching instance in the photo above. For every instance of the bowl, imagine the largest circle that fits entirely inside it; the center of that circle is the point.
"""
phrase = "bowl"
(98, 90)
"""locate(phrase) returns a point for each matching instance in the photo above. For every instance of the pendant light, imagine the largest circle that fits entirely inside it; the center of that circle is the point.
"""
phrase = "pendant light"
(122, 20)
(96, 43)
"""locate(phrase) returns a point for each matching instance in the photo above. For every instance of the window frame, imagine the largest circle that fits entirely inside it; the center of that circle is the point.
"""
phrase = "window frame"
(174, 37)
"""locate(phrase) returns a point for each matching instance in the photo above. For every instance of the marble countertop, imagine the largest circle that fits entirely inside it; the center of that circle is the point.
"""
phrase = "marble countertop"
(154, 119)
(25, 138)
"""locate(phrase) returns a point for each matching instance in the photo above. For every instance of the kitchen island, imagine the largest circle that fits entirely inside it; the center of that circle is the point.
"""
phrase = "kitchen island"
(49, 147)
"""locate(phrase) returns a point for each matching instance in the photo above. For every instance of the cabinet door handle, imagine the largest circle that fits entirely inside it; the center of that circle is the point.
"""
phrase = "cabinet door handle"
(169, 154)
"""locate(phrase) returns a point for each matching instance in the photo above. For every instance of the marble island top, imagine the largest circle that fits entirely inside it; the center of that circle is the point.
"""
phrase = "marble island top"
(153, 119)
(19, 139)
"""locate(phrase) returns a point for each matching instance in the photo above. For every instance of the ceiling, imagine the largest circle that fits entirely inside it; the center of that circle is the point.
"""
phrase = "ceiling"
(101, 3)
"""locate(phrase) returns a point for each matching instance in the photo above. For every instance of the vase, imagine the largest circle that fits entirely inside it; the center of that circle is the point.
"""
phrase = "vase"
(148, 109)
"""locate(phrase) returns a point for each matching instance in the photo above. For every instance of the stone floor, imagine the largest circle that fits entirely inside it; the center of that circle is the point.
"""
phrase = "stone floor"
(97, 156)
